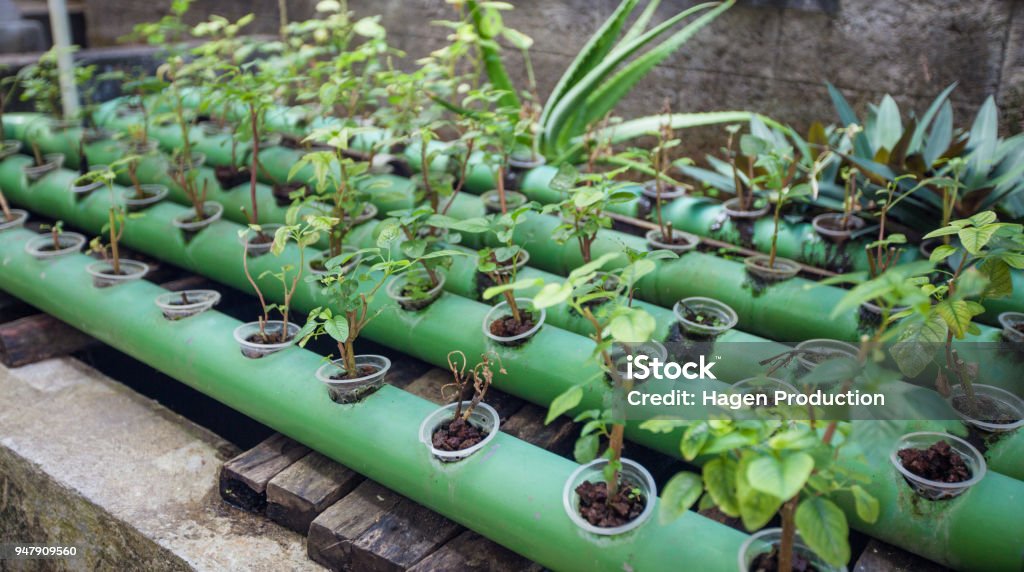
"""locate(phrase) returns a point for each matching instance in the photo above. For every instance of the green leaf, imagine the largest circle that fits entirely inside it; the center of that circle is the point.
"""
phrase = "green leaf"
(941, 135)
(974, 239)
(720, 482)
(569, 399)
(552, 295)
(867, 506)
(585, 450)
(888, 125)
(917, 343)
(337, 328)
(756, 507)
(957, 314)
(651, 124)
(823, 527)
(1000, 280)
(679, 494)
(983, 218)
(693, 440)
(632, 325)
(782, 478)
(942, 252)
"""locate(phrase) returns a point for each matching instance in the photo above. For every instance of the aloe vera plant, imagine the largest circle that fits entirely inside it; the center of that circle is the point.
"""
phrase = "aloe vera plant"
(601, 74)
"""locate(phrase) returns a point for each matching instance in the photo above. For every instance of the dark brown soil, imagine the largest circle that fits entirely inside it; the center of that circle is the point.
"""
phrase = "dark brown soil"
(835, 224)
(1019, 326)
(142, 194)
(506, 326)
(985, 409)
(231, 177)
(282, 193)
(939, 463)
(269, 338)
(261, 238)
(769, 562)
(361, 371)
(595, 507)
(457, 435)
(674, 240)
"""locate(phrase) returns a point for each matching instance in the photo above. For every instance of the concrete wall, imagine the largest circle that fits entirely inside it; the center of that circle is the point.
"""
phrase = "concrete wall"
(756, 56)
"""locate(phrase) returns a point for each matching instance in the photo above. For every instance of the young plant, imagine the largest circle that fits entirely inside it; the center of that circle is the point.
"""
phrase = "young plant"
(501, 264)
(986, 252)
(584, 212)
(423, 231)
(303, 234)
(5, 208)
(471, 386)
(115, 218)
(337, 179)
(352, 292)
(56, 229)
(660, 162)
(758, 467)
(613, 319)
(777, 167)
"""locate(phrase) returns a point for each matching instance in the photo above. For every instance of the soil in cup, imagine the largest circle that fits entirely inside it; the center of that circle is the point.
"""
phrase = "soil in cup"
(595, 507)
(457, 435)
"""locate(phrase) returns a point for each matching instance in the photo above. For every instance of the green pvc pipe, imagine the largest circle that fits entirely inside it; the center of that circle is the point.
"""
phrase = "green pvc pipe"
(537, 371)
(511, 493)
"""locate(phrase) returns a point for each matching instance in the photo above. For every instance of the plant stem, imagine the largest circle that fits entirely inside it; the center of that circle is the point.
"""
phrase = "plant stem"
(282, 10)
(37, 154)
(5, 207)
(775, 233)
(788, 535)
(253, 118)
(114, 255)
(501, 189)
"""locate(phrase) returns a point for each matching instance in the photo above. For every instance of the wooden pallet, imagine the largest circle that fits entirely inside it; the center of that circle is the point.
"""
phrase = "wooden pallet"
(354, 523)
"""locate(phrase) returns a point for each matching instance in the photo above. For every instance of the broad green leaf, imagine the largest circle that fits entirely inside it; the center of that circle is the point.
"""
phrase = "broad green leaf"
(983, 218)
(337, 327)
(793, 439)
(585, 450)
(633, 325)
(756, 508)
(679, 494)
(720, 483)
(916, 346)
(957, 314)
(867, 506)
(552, 295)
(888, 125)
(782, 478)
(942, 252)
(693, 440)
(823, 527)
(1000, 280)
(974, 239)
(569, 399)
(940, 137)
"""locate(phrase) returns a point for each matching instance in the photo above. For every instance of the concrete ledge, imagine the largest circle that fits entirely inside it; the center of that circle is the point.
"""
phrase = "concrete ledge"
(86, 461)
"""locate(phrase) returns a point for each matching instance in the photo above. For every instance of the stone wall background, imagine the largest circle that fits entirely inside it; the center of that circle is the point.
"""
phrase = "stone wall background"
(757, 56)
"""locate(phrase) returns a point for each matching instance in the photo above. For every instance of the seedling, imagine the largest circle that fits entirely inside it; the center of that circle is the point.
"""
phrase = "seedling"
(613, 320)
(471, 386)
(115, 215)
(584, 212)
(352, 292)
(56, 229)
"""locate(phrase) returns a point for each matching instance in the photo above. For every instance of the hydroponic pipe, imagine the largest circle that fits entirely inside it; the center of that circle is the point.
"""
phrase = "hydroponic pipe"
(537, 372)
(733, 287)
(512, 494)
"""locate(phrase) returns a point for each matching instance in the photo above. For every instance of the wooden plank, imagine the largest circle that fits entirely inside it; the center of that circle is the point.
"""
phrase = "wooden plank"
(404, 370)
(528, 424)
(244, 479)
(401, 538)
(299, 493)
(470, 551)
(332, 533)
(35, 338)
(881, 557)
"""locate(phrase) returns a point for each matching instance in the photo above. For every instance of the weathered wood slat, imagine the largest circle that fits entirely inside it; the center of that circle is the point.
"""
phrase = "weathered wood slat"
(299, 493)
(35, 338)
(332, 533)
(470, 551)
(528, 424)
(881, 557)
(401, 538)
(244, 479)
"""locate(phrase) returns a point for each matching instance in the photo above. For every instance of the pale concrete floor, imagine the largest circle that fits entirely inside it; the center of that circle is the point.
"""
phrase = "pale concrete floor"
(85, 460)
